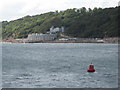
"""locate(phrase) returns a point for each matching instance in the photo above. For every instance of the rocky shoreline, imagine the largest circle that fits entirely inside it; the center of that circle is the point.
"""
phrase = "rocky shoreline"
(78, 40)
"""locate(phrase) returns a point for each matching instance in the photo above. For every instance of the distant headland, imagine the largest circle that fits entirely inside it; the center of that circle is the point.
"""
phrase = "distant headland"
(77, 25)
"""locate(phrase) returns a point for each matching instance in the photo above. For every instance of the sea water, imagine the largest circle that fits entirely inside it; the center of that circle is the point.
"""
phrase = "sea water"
(0, 65)
(59, 65)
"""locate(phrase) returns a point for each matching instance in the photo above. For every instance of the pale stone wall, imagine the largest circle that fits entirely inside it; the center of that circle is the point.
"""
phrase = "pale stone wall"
(41, 37)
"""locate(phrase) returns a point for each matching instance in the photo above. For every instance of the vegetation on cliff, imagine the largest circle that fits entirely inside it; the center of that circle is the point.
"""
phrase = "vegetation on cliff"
(84, 23)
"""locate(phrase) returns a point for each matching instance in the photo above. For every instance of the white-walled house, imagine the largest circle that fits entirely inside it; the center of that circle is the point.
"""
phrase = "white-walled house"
(57, 29)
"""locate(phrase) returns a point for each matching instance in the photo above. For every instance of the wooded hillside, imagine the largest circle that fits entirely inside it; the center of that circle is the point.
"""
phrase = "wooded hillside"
(87, 23)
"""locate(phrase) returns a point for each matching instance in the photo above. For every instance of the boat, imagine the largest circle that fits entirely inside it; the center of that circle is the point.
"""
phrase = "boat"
(91, 68)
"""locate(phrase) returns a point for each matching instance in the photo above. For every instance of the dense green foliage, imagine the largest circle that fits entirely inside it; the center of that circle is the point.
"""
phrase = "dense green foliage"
(81, 22)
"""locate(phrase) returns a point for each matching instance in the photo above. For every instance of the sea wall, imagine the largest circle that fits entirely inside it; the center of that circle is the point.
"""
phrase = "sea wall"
(78, 40)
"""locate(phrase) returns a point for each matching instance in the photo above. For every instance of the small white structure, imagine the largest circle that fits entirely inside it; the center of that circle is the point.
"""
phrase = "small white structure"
(57, 29)
(63, 39)
(41, 37)
(62, 29)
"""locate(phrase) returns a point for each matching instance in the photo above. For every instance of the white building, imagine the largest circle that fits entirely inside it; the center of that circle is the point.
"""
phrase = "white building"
(57, 29)
(63, 39)
(41, 37)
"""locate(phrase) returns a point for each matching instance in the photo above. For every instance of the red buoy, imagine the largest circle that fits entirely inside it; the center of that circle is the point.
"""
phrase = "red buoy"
(91, 68)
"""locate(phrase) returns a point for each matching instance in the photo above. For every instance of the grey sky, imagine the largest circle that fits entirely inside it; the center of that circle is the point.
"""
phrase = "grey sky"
(13, 9)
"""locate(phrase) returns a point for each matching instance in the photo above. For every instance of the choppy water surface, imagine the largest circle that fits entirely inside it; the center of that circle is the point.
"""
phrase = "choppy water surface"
(59, 65)
(0, 65)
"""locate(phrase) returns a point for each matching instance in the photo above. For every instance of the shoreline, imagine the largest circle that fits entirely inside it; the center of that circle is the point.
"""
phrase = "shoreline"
(78, 40)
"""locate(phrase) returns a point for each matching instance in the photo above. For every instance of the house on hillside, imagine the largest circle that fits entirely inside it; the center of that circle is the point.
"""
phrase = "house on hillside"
(57, 29)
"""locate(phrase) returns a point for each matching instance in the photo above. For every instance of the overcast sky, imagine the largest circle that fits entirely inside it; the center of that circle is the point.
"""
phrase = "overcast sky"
(14, 9)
